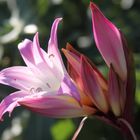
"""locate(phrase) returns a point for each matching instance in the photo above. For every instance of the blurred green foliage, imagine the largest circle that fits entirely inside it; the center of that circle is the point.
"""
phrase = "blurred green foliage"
(66, 128)
(75, 27)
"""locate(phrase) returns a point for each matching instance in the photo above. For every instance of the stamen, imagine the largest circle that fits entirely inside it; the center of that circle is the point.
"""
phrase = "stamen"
(39, 89)
(51, 55)
(32, 90)
(48, 85)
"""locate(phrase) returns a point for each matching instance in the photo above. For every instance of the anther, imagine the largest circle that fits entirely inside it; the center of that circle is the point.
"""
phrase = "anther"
(51, 55)
(48, 85)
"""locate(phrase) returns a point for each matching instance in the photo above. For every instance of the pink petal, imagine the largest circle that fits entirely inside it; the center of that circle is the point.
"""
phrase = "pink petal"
(92, 86)
(37, 60)
(72, 58)
(74, 69)
(68, 87)
(114, 93)
(25, 49)
(84, 99)
(39, 54)
(31, 52)
(74, 66)
(108, 41)
(10, 102)
(53, 46)
(19, 77)
(61, 106)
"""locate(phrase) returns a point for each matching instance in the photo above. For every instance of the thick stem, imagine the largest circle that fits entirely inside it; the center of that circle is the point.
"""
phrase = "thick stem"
(128, 131)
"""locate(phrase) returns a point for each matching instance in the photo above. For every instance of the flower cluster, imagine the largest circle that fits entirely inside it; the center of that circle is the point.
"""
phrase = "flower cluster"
(44, 85)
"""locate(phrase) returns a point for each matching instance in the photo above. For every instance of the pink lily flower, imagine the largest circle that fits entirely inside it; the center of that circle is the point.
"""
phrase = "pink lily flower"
(44, 84)
(113, 48)
(113, 98)
(92, 85)
(108, 41)
(90, 81)
(46, 88)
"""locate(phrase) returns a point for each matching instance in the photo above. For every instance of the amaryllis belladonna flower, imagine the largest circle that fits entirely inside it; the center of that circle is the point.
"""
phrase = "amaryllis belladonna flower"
(44, 85)
(46, 88)
(113, 97)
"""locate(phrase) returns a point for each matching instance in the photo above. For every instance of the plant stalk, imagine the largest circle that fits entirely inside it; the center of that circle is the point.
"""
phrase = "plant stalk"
(127, 130)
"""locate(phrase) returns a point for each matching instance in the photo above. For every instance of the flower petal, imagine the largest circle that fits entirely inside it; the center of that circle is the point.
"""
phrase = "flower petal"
(68, 87)
(10, 102)
(38, 53)
(92, 86)
(72, 58)
(53, 47)
(33, 55)
(19, 77)
(74, 69)
(25, 48)
(31, 52)
(108, 41)
(74, 65)
(59, 106)
(39, 63)
(114, 92)
(71, 49)
(84, 99)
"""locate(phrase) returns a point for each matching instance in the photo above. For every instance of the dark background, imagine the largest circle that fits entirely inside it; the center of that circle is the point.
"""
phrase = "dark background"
(17, 15)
